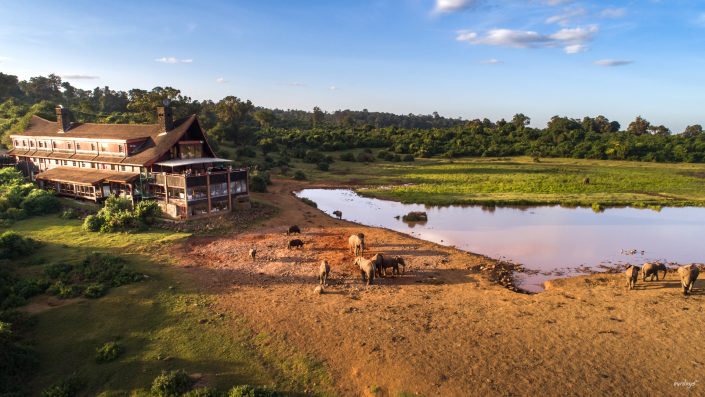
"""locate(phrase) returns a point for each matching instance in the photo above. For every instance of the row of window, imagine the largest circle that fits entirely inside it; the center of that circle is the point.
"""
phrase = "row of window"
(69, 146)
(86, 164)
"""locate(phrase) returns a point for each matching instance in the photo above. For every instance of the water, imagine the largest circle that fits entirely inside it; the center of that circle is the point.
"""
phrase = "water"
(551, 241)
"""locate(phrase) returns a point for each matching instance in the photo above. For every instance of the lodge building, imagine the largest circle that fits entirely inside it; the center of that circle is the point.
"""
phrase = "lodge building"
(170, 162)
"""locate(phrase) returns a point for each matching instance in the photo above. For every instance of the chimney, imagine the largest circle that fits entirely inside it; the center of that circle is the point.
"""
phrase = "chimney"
(165, 118)
(63, 119)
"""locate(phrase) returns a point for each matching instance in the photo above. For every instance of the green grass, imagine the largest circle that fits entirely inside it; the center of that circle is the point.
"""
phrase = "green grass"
(162, 323)
(520, 181)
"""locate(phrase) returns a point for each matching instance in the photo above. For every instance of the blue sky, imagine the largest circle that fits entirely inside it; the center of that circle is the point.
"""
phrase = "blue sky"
(462, 58)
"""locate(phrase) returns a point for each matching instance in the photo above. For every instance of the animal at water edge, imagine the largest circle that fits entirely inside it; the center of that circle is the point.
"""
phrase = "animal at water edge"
(294, 229)
(632, 276)
(356, 242)
(323, 272)
(338, 214)
(382, 262)
(295, 243)
(652, 269)
(688, 275)
(367, 269)
(253, 253)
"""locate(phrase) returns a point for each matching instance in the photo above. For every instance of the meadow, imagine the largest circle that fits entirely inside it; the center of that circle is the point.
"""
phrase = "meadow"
(162, 323)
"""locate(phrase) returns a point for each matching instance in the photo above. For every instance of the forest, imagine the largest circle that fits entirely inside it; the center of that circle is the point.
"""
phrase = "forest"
(237, 122)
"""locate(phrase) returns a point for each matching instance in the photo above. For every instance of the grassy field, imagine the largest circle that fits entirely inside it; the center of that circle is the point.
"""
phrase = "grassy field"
(163, 323)
(521, 181)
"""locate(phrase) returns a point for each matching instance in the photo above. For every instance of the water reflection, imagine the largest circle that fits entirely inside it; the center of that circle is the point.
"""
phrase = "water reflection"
(552, 240)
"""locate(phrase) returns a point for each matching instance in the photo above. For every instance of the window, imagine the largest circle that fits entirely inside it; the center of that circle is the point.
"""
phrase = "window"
(120, 148)
(68, 145)
(92, 146)
(122, 168)
(112, 167)
(73, 163)
(17, 143)
(78, 146)
(53, 144)
(31, 143)
(24, 143)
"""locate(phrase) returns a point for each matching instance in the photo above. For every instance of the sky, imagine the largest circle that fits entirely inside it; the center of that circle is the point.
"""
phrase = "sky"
(461, 58)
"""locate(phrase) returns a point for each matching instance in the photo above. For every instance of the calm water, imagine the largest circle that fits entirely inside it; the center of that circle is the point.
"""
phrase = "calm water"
(553, 241)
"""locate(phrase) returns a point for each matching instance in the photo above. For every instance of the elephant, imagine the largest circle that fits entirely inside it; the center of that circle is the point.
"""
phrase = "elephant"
(382, 262)
(688, 275)
(356, 242)
(652, 269)
(632, 276)
(323, 272)
(293, 230)
(338, 214)
(295, 243)
(367, 269)
(253, 253)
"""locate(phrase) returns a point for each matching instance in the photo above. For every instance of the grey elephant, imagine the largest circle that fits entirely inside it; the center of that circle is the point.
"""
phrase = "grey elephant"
(338, 214)
(356, 242)
(383, 262)
(367, 269)
(688, 275)
(632, 276)
(323, 272)
(652, 269)
(253, 253)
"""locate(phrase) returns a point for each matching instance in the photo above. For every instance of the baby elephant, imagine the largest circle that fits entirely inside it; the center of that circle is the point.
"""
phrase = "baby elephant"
(688, 275)
(253, 253)
(293, 230)
(632, 276)
(295, 243)
(382, 262)
(338, 214)
(356, 242)
(652, 269)
(367, 269)
(323, 272)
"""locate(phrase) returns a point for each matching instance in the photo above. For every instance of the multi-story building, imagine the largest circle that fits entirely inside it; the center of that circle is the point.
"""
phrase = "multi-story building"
(170, 162)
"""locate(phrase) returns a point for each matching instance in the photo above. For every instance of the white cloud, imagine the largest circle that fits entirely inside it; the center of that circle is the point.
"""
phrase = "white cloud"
(173, 60)
(443, 6)
(572, 40)
(79, 77)
(333, 88)
(221, 80)
(613, 12)
(557, 2)
(491, 61)
(293, 84)
(612, 62)
(566, 17)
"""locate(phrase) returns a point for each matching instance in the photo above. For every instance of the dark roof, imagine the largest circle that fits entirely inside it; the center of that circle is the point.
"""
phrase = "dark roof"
(156, 145)
(83, 176)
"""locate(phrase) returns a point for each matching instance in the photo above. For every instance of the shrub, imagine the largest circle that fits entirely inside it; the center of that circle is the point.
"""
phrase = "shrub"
(314, 157)
(251, 391)
(13, 245)
(347, 156)
(93, 223)
(40, 202)
(115, 204)
(395, 158)
(18, 362)
(65, 388)
(64, 291)
(204, 392)
(70, 213)
(299, 175)
(245, 151)
(171, 384)
(147, 211)
(364, 157)
(15, 214)
(258, 183)
(120, 221)
(384, 155)
(94, 291)
(407, 157)
(309, 202)
(10, 176)
(108, 352)
(98, 271)
(323, 166)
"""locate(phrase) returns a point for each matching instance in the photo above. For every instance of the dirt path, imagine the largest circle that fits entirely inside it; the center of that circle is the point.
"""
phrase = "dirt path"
(443, 328)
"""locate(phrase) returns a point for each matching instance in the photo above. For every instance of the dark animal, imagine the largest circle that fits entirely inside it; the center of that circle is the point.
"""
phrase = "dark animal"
(356, 243)
(688, 275)
(293, 230)
(338, 214)
(367, 269)
(295, 243)
(323, 272)
(632, 276)
(652, 269)
(253, 253)
(586, 181)
(382, 262)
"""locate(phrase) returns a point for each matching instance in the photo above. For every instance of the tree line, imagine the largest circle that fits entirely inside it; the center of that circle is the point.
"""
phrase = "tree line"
(238, 122)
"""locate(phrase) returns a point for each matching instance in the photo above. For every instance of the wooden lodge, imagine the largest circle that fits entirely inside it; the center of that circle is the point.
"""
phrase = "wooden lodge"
(170, 162)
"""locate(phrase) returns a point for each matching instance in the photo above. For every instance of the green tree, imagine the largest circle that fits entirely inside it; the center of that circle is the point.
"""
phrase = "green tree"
(639, 126)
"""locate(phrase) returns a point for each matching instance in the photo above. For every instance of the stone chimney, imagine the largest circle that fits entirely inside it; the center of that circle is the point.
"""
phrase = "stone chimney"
(63, 119)
(165, 118)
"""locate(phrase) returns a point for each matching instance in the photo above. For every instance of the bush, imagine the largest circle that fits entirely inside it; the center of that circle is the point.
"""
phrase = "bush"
(17, 362)
(147, 211)
(93, 223)
(364, 157)
(171, 384)
(66, 388)
(245, 151)
(299, 176)
(258, 183)
(407, 157)
(314, 157)
(204, 392)
(94, 291)
(15, 214)
(13, 245)
(40, 202)
(70, 213)
(384, 155)
(98, 271)
(108, 352)
(309, 202)
(251, 391)
(347, 156)
(323, 166)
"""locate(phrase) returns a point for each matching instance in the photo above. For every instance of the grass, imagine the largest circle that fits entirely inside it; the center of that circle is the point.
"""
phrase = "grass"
(520, 181)
(162, 323)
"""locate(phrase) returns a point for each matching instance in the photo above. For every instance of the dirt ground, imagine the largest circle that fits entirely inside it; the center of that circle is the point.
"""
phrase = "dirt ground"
(443, 328)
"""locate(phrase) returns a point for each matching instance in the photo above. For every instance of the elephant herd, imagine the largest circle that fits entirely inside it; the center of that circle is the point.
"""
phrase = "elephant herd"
(688, 274)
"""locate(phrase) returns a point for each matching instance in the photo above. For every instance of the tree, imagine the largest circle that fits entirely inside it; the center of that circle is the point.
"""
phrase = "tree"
(234, 114)
(520, 121)
(659, 130)
(264, 117)
(317, 117)
(692, 131)
(42, 88)
(639, 126)
(9, 87)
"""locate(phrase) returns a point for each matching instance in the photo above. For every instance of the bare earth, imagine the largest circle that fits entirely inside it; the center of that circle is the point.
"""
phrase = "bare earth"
(443, 328)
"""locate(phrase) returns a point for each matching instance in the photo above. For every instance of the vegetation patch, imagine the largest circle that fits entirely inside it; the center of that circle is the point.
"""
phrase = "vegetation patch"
(308, 201)
(108, 352)
(118, 214)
